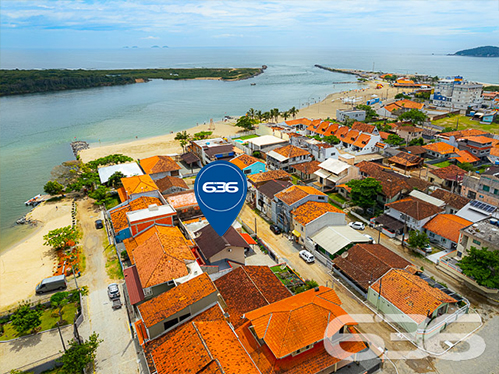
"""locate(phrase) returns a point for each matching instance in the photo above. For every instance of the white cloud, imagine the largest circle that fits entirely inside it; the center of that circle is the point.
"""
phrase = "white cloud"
(151, 37)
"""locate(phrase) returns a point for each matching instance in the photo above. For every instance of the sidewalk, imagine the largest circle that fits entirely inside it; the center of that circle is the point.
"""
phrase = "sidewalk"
(44, 345)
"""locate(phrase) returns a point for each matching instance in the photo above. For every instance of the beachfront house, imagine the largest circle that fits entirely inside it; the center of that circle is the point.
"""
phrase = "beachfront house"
(208, 150)
(285, 157)
(158, 167)
(248, 164)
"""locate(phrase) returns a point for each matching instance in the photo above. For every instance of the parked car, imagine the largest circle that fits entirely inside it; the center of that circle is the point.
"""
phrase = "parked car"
(275, 229)
(307, 256)
(427, 248)
(113, 291)
(99, 224)
(370, 238)
(51, 284)
(357, 225)
(117, 303)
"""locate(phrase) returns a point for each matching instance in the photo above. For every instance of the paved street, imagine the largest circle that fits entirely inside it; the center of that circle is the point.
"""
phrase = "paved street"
(288, 251)
(116, 354)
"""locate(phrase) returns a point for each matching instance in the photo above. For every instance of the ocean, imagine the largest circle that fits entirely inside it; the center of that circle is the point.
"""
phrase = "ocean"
(36, 129)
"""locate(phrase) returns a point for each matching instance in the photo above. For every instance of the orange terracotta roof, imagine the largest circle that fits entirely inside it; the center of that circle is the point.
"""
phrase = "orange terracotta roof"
(247, 288)
(290, 151)
(391, 107)
(380, 145)
(168, 182)
(158, 164)
(494, 151)
(300, 320)
(478, 139)
(312, 210)
(416, 208)
(122, 194)
(465, 156)
(350, 137)
(384, 135)
(331, 129)
(447, 226)
(463, 133)
(182, 200)
(138, 184)
(204, 347)
(295, 193)
(345, 186)
(176, 299)
(244, 161)
(407, 104)
(451, 172)
(440, 147)
(411, 294)
(307, 167)
(451, 199)
(341, 132)
(362, 140)
(268, 176)
(364, 127)
(118, 216)
(406, 159)
(299, 121)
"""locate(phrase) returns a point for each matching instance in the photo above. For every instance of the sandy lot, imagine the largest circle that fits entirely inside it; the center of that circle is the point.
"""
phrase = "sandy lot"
(25, 264)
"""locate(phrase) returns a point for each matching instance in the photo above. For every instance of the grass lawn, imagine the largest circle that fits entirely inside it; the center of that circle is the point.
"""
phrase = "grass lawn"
(246, 137)
(442, 164)
(465, 123)
(113, 267)
(113, 201)
(337, 197)
(48, 321)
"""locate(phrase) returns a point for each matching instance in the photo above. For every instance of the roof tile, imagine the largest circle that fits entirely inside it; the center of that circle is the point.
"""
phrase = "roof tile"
(158, 164)
(290, 151)
(447, 226)
(414, 207)
(312, 210)
(295, 193)
(244, 161)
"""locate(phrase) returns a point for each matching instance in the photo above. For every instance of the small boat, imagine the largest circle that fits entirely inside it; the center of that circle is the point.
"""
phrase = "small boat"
(253, 84)
(33, 200)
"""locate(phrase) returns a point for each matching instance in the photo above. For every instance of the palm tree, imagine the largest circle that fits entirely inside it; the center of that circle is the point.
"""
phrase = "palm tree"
(293, 111)
(251, 113)
(266, 116)
(285, 115)
(274, 113)
(259, 115)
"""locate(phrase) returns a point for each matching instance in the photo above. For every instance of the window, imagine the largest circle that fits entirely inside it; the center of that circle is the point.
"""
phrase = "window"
(496, 191)
(476, 242)
(486, 188)
(169, 324)
(247, 171)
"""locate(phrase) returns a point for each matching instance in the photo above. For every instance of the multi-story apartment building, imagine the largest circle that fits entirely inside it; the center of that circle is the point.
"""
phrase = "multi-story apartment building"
(455, 93)
(483, 187)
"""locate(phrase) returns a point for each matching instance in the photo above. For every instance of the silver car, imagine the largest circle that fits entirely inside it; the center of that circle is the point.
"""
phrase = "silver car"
(113, 291)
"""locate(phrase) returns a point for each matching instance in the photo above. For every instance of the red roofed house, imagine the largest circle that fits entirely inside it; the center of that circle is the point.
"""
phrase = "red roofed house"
(312, 216)
(185, 204)
(412, 211)
(300, 334)
(449, 177)
(177, 304)
(440, 150)
(139, 185)
(419, 308)
(248, 164)
(285, 157)
(395, 109)
(443, 229)
(160, 166)
(291, 198)
(478, 146)
(217, 250)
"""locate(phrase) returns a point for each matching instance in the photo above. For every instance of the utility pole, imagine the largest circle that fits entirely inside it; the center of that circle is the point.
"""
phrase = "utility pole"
(60, 334)
(256, 233)
(74, 275)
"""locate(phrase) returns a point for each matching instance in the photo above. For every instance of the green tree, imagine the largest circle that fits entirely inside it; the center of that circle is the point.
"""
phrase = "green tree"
(183, 138)
(418, 239)
(115, 179)
(259, 115)
(274, 114)
(58, 301)
(448, 129)
(331, 139)
(482, 265)
(394, 140)
(370, 112)
(364, 191)
(415, 116)
(401, 96)
(245, 122)
(62, 238)
(78, 356)
(26, 319)
(293, 112)
(53, 188)
(418, 141)
(251, 113)
(101, 195)
(465, 166)
(285, 115)
(202, 135)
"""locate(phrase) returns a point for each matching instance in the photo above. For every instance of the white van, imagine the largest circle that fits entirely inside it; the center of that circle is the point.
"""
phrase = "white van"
(51, 284)
(307, 256)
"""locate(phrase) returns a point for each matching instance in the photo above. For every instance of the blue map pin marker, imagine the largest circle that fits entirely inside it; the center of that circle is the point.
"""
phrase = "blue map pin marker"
(220, 189)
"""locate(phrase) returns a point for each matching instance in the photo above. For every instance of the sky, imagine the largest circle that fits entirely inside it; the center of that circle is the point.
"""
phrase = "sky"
(437, 25)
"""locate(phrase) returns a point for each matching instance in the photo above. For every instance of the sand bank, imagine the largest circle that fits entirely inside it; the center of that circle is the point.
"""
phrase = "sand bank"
(165, 144)
(25, 264)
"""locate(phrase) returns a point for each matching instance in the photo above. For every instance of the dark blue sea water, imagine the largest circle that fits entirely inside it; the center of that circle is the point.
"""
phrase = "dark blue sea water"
(35, 130)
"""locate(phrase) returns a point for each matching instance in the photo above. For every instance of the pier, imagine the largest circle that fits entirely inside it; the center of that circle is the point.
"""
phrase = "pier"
(78, 146)
(356, 72)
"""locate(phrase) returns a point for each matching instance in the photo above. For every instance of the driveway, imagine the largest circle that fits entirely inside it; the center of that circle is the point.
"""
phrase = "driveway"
(116, 354)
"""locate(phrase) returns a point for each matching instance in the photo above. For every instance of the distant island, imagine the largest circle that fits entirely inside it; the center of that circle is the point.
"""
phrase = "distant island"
(18, 82)
(486, 51)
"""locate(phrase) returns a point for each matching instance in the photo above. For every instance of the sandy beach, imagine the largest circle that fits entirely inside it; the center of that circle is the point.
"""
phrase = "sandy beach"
(25, 264)
(166, 145)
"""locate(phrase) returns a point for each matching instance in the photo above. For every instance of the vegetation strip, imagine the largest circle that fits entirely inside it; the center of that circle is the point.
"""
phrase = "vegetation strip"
(17, 82)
